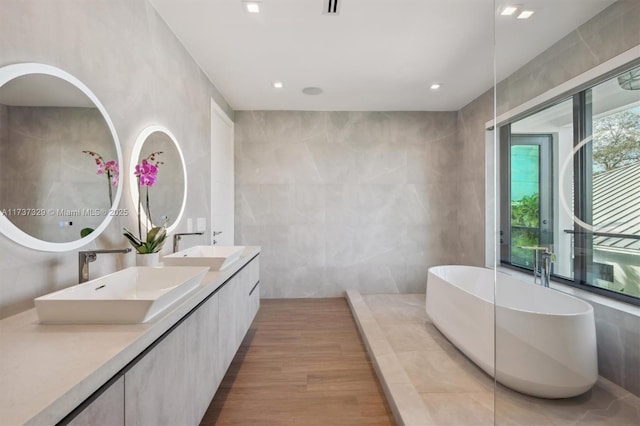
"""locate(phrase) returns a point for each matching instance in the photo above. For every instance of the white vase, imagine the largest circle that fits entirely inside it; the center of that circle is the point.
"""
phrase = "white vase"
(147, 259)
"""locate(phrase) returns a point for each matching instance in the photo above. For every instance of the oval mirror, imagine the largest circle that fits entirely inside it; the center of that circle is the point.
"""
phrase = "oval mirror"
(160, 194)
(59, 159)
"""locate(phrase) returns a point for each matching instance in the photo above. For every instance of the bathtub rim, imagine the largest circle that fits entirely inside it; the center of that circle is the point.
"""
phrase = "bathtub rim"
(600, 300)
(588, 311)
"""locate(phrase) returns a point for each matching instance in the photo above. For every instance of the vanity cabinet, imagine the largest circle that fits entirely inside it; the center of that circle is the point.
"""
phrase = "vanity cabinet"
(106, 409)
(238, 307)
(174, 380)
(229, 316)
(252, 291)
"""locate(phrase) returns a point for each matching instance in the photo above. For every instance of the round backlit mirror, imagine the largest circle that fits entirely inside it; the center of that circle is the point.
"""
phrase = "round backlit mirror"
(158, 178)
(59, 159)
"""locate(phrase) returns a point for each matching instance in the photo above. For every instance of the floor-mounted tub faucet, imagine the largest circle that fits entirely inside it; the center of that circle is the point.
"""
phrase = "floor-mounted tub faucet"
(178, 237)
(547, 258)
(87, 256)
(543, 257)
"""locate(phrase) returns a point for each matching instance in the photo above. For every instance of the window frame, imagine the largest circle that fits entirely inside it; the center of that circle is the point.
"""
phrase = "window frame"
(583, 241)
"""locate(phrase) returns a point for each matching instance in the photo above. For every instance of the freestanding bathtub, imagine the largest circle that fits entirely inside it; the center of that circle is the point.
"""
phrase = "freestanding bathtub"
(545, 340)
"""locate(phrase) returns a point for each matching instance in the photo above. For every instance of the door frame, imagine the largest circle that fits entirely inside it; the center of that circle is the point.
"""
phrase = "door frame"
(545, 188)
(220, 113)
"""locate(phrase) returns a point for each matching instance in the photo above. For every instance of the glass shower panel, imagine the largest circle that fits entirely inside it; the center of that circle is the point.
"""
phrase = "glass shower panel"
(547, 368)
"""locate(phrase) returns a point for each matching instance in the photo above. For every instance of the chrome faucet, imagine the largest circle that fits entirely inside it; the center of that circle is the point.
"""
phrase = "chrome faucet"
(178, 237)
(547, 257)
(87, 256)
(543, 257)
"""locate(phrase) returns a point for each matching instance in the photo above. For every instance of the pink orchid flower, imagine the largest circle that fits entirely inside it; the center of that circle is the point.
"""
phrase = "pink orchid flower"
(147, 173)
(111, 168)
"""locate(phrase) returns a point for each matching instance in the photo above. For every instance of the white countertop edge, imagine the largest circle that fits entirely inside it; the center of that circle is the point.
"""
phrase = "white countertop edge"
(63, 401)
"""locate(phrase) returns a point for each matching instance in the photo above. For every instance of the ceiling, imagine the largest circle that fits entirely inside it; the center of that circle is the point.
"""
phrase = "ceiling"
(375, 55)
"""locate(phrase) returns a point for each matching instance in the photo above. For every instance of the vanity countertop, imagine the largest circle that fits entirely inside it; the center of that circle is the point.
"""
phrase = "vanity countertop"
(47, 370)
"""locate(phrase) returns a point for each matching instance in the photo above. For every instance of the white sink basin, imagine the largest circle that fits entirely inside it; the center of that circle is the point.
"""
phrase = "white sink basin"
(133, 295)
(215, 258)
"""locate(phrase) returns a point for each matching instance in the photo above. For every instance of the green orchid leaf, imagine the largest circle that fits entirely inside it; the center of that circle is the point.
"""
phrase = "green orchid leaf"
(85, 231)
(135, 242)
(151, 235)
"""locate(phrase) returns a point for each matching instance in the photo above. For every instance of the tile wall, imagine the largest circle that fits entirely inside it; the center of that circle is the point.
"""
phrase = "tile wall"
(338, 200)
(125, 53)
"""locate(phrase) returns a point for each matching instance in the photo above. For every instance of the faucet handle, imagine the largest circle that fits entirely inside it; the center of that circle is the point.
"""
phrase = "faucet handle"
(549, 254)
(87, 256)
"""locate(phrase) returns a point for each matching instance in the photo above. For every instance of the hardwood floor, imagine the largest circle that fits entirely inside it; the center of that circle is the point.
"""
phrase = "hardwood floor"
(302, 363)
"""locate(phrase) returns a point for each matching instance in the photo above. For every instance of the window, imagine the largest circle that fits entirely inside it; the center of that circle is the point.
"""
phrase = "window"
(570, 181)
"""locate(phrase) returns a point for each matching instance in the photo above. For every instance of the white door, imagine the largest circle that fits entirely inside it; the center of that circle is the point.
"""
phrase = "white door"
(222, 181)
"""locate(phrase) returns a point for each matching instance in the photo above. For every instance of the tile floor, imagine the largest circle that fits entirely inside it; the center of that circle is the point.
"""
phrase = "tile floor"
(454, 391)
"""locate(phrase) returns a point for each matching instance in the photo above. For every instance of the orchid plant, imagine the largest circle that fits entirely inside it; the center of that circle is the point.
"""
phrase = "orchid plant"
(110, 168)
(146, 174)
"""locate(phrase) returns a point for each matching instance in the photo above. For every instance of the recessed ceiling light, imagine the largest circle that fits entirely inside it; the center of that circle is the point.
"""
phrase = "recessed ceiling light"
(278, 85)
(251, 6)
(508, 10)
(312, 90)
(435, 86)
(525, 14)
